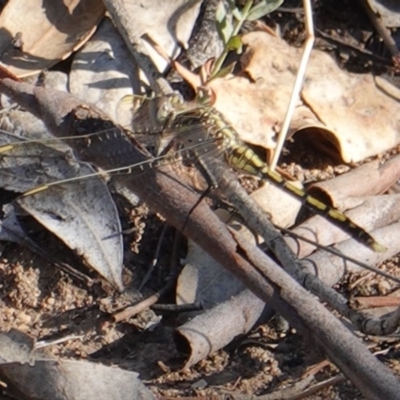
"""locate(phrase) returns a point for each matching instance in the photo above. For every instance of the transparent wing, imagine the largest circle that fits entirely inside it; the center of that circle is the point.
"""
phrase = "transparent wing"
(26, 165)
(76, 205)
(82, 213)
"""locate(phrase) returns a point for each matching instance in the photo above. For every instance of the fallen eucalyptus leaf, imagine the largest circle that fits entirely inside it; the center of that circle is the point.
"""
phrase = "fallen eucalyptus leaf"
(81, 213)
(355, 114)
(37, 34)
(214, 329)
(170, 26)
(388, 10)
(103, 73)
(36, 373)
(73, 380)
(84, 216)
(16, 346)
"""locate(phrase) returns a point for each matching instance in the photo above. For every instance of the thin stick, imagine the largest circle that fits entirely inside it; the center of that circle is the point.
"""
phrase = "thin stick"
(297, 84)
(336, 252)
(383, 32)
(155, 258)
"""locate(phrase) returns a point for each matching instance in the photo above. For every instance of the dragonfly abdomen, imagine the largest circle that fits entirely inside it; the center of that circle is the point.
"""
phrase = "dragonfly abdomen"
(244, 159)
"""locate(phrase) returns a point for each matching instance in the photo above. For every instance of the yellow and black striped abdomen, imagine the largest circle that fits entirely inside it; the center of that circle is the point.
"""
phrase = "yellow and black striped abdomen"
(244, 159)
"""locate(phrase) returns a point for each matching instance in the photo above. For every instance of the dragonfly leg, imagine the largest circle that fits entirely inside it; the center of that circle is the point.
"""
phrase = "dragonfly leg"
(211, 185)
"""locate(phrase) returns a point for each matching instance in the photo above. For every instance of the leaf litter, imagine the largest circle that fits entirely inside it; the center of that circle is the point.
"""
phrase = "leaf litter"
(205, 366)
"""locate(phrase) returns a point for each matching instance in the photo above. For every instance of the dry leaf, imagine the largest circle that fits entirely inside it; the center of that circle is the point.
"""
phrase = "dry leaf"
(36, 34)
(331, 268)
(36, 373)
(368, 179)
(16, 346)
(82, 213)
(204, 280)
(170, 26)
(103, 73)
(388, 10)
(353, 112)
(216, 328)
(281, 206)
(74, 380)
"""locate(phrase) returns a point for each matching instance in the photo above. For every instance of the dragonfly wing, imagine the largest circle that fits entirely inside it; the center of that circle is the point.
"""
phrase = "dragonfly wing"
(81, 213)
(31, 164)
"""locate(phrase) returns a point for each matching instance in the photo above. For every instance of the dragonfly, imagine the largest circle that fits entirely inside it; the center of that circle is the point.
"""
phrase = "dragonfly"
(196, 123)
(198, 132)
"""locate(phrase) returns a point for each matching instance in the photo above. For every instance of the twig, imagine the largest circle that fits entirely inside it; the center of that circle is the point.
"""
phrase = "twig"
(151, 300)
(338, 253)
(369, 55)
(319, 386)
(44, 343)
(383, 33)
(177, 308)
(137, 308)
(297, 84)
(155, 258)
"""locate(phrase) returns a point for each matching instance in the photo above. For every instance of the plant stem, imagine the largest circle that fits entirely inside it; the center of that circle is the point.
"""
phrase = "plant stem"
(220, 60)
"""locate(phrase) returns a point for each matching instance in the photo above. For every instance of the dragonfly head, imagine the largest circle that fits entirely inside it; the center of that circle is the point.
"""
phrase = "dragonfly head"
(168, 106)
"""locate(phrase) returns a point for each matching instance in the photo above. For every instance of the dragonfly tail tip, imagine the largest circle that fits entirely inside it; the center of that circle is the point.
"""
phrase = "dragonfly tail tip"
(377, 247)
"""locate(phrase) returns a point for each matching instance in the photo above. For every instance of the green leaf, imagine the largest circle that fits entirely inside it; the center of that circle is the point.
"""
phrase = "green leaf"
(225, 30)
(224, 23)
(224, 71)
(220, 12)
(263, 8)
